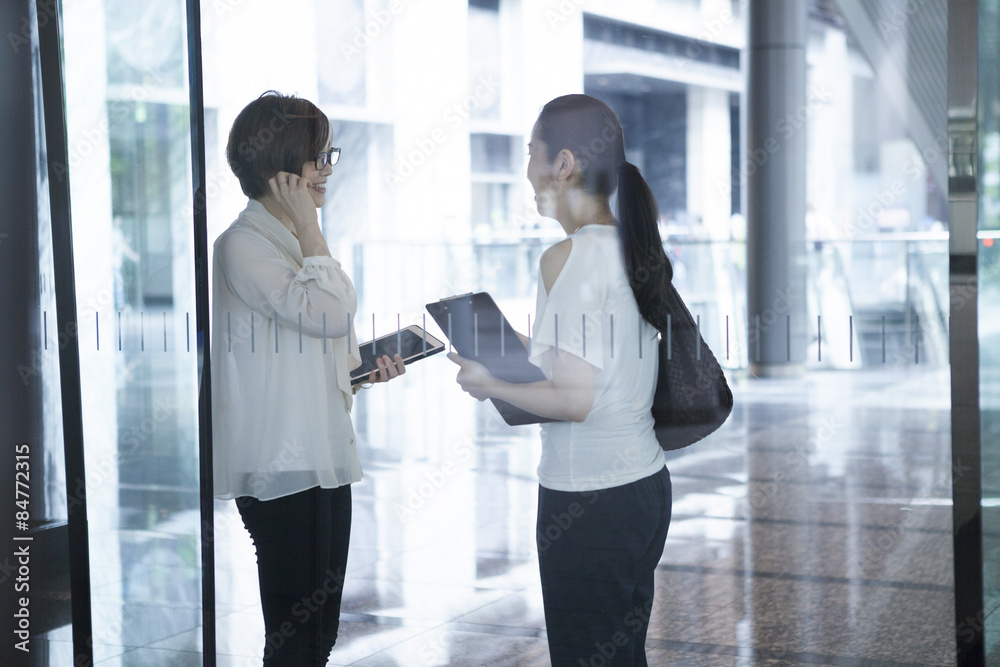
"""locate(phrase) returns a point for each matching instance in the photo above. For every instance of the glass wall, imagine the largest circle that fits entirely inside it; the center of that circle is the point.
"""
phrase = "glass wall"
(36, 597)
(430, 200)
(129, 170)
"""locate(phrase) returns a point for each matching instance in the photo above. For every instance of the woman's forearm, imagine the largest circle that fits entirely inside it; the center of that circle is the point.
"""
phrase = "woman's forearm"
(567, 396)
(546, 399)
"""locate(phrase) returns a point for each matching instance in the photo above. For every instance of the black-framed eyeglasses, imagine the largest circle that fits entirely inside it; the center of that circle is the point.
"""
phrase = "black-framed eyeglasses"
(330, 157)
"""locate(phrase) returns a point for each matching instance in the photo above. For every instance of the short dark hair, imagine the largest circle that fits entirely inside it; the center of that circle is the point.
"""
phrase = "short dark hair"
(275, 133)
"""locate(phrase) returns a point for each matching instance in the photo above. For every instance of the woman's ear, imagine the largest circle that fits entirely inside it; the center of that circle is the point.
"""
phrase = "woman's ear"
(564, 166)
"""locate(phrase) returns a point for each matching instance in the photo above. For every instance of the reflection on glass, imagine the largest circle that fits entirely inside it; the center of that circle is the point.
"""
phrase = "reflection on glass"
(51, 614)
(131, 191)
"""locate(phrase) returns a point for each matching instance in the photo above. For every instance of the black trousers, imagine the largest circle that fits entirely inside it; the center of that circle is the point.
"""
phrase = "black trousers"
(597, 552)
(302, 542)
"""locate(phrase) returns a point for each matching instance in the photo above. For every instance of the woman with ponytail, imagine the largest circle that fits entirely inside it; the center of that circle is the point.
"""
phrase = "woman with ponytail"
(604, 492)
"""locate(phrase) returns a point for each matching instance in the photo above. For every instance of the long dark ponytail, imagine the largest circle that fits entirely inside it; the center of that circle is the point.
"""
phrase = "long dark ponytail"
(646, 264)
(590, 130)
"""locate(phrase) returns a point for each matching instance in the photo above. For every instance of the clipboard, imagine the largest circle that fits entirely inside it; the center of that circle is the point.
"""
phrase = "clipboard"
(478, 330)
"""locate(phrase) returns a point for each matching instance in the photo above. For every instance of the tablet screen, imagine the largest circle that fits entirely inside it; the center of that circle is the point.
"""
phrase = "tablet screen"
(408, 343)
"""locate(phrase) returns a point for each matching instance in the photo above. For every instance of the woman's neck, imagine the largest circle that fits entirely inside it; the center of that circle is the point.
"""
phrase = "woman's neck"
(579, 209)
(272, 207)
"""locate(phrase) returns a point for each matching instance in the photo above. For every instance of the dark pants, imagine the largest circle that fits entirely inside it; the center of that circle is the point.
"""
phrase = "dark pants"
(302, 542)
(597, 551)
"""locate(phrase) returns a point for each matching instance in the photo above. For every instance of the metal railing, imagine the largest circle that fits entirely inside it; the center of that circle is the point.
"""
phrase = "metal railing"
(879, 299)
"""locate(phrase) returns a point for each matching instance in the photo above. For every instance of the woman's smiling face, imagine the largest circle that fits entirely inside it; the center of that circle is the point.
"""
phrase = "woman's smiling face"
(540, 175)
(317, 180)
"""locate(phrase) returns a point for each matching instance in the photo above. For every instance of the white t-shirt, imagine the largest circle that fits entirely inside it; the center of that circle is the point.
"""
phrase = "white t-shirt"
(591, 312)
(282, 345)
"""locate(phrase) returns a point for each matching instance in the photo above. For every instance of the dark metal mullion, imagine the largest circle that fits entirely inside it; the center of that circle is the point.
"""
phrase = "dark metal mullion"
(963, 331)
(200, 220)
(57, 149)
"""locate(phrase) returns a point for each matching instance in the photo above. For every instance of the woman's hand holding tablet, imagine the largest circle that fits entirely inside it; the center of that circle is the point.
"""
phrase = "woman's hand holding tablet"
(411, 343)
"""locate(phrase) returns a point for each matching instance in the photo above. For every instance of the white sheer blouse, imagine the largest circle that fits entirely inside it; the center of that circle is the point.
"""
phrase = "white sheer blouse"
(283, 342)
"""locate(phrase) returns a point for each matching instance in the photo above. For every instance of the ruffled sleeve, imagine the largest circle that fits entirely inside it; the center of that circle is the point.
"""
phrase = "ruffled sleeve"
(271, 285)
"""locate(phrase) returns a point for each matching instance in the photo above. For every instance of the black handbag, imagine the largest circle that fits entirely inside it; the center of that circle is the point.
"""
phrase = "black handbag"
(692, 396)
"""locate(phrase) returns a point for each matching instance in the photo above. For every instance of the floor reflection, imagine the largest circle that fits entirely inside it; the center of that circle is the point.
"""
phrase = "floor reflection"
(814, 528)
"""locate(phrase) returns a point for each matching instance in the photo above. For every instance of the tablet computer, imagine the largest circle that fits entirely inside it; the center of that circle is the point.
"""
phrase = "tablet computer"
(478, 330)
(412, 343)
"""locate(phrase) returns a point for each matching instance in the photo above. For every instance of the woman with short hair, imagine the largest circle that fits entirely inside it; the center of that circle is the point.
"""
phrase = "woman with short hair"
(283, 343)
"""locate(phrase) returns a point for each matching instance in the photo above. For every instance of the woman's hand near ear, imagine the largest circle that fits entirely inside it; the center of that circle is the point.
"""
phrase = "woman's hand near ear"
(290, 192)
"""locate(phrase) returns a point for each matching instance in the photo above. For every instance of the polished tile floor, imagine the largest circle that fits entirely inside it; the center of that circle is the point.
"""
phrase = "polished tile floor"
(813, 529)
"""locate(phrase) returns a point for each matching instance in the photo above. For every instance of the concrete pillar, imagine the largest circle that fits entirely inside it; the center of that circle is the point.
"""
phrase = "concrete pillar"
(776, 186)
